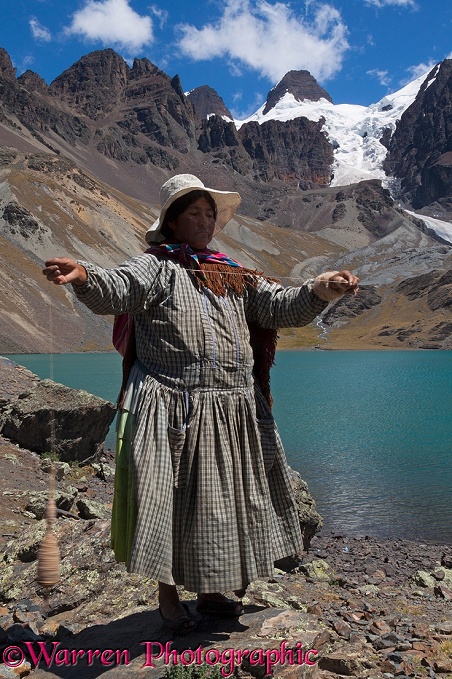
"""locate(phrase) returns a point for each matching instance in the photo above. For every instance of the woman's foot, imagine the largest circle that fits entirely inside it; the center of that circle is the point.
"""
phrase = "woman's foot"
(183, 624)
(174, 614)
(217, 604)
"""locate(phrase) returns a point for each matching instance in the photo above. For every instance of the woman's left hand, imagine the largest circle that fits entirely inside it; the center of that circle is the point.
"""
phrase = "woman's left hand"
(332, 285)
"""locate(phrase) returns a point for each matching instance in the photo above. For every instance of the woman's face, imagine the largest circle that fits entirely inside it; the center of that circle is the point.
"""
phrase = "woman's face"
(195, 225)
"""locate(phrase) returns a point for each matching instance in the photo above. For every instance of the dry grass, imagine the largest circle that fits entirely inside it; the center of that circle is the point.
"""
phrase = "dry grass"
(446, 648)
(413, 610)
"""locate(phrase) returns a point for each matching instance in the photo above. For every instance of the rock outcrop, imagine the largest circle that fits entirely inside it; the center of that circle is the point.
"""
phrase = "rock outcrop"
(94, 85)
(208, 102)
(294, 151)
(7, 70)
(46, 417)
(420, 151)
(35, 110)
(435, 285)
(33, 82)
(350, 307)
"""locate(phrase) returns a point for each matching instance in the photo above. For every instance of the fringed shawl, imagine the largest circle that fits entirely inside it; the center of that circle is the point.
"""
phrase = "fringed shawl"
(222, 275)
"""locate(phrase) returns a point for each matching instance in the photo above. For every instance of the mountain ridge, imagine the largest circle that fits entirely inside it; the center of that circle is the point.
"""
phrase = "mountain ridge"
(142, 101)
(82, 178)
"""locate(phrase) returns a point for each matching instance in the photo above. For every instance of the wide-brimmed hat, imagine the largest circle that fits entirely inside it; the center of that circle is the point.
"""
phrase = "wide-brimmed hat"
(227, 202)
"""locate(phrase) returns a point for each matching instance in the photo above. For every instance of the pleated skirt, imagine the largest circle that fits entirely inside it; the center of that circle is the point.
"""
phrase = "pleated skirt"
(202, 489)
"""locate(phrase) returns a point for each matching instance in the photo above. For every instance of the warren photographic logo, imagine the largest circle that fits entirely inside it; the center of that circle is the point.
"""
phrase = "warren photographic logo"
(52, 655)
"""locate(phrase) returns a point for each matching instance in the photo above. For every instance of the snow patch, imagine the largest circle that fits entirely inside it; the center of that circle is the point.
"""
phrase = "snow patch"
(442, 229)
(355, 131)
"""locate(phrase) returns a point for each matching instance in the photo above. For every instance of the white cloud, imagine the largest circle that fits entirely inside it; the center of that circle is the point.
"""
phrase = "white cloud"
(416, 71)
(382, 76)
(242, 114)
(392, 3)
(161, 14)
(112, 22)
(271, 39)
(26, 64)
(38, 31)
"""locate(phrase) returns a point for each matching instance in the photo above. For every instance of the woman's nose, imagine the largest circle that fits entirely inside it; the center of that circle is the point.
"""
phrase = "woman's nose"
(206, 219)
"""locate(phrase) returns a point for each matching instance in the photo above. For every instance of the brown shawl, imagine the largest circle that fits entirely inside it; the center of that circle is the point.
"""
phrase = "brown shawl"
(223, 279)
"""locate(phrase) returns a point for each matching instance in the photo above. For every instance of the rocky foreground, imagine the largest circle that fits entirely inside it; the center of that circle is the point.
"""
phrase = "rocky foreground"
(351, 606)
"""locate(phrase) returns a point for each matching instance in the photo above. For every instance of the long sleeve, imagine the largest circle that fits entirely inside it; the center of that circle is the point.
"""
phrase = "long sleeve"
(273, 306)
(131, 287)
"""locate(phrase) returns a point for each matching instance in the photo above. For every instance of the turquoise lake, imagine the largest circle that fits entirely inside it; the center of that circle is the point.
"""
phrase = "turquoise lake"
(370, 431)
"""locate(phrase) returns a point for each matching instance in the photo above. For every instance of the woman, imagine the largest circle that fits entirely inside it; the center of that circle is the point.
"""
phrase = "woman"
(202, 492)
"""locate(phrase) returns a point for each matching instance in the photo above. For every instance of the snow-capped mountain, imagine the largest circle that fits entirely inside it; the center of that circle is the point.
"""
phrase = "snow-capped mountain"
(356, 132)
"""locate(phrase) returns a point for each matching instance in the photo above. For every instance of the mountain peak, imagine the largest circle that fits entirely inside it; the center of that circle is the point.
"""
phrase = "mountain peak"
(301, 84)
(93, 84)
(32, 82)
(6, 66)
(207, 102)
(144, 67)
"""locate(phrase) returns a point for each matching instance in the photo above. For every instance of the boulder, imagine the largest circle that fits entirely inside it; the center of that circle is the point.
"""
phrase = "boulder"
(310, 519)
(47, 417)
(318, 570)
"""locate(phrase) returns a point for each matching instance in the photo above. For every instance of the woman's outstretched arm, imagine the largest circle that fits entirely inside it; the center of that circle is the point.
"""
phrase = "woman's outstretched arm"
(64, 270)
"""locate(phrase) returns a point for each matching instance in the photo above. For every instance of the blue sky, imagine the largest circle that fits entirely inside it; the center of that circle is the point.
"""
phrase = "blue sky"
(359, 50)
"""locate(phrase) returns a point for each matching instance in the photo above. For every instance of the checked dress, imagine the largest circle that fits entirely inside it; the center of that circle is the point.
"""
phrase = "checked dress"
(202, 489)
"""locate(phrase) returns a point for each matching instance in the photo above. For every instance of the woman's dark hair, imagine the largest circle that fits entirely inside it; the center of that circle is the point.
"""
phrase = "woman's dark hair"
(181, 204)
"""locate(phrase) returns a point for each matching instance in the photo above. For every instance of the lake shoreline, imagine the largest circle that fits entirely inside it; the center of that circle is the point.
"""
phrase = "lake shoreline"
(376, 463)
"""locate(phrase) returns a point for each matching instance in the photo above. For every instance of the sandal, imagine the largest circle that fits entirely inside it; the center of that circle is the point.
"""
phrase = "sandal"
(228, 608)
(181, 625)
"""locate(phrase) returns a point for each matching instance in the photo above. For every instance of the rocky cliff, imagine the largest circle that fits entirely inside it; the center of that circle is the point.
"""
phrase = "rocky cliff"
(207, 102)
(296, 152)
(420, 150)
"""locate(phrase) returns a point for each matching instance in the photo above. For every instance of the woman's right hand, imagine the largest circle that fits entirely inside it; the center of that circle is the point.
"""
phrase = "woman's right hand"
(332, 285)
(63, 270)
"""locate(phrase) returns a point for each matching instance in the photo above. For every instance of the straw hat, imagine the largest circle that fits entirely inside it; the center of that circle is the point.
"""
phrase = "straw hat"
(227, 202)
